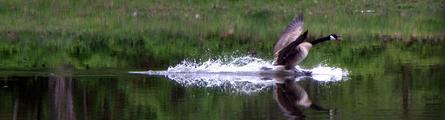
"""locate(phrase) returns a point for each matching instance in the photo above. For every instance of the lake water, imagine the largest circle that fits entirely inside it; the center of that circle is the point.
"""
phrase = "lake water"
(354, 79)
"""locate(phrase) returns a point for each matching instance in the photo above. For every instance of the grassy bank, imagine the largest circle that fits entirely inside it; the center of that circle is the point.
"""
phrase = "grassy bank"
(118, 33)
(253, 20)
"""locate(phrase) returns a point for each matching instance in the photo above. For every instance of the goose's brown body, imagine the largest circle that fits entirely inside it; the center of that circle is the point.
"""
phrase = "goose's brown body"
(302, 50)
(292, 48)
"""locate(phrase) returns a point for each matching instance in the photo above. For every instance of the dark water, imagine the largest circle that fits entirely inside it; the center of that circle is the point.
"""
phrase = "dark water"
(395, 80)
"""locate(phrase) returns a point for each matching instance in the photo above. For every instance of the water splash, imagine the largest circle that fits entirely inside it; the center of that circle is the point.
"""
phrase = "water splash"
(228, 64)
(237, 74)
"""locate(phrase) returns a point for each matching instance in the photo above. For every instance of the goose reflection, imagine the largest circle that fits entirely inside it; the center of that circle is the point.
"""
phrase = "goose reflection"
(292, 98)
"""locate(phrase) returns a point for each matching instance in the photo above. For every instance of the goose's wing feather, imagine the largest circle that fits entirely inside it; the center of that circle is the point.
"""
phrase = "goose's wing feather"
(291, 33)
(289, 52)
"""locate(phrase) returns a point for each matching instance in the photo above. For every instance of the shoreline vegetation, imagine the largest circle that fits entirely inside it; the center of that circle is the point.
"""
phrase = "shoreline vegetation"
(263, 20)
(118, 33)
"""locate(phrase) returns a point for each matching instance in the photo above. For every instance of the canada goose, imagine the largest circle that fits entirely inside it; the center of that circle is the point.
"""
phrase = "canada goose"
(292, 48)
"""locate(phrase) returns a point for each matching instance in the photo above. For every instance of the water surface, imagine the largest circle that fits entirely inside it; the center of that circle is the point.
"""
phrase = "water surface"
(395, 80)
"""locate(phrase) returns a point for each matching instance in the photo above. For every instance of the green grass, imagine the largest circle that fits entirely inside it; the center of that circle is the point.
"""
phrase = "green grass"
(257, 20)
(138, 33)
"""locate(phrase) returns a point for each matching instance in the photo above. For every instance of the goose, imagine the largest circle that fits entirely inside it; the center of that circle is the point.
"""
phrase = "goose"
(291, 48)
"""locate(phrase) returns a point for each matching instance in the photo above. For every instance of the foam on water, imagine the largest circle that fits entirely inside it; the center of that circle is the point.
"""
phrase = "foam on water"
(237, 74)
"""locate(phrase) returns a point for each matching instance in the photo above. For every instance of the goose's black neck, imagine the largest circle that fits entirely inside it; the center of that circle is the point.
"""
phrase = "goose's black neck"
(319, 40)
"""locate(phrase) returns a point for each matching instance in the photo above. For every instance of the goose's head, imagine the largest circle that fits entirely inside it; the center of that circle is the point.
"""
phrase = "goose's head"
(335, 37)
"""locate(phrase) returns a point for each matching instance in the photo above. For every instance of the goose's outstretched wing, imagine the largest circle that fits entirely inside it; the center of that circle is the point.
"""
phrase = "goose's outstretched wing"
(291, 33)
(290, 51)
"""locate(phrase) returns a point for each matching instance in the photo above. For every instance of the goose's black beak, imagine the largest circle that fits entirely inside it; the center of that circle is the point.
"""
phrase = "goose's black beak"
(336, 37)
(339, 38)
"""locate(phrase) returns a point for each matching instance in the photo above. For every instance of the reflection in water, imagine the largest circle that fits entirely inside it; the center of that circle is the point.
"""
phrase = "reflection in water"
(26, 96)
(292, 98)
(137, 97)
(61, 93)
